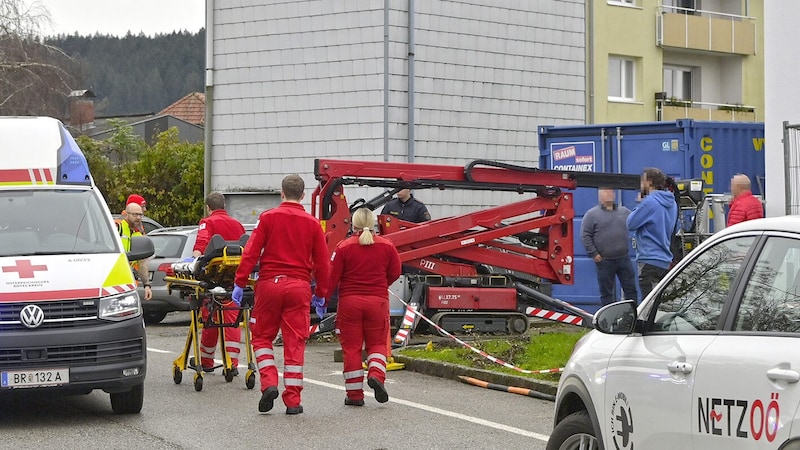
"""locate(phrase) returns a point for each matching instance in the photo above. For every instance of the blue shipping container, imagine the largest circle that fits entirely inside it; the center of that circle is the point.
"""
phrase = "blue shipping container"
(684, 149)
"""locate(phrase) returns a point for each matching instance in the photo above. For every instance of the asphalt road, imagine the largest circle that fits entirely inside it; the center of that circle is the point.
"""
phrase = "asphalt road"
(423, 411)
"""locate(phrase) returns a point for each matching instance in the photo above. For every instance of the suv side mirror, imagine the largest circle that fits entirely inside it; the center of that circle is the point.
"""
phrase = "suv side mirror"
(616, 318)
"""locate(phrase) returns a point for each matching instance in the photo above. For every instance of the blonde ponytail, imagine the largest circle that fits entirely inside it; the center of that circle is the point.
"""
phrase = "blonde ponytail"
(364, 220)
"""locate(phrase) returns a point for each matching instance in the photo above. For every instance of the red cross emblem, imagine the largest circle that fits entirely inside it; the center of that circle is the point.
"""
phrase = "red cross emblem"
(24, 268)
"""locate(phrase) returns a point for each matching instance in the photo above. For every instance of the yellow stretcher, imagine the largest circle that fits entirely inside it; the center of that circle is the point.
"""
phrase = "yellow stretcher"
(208, 282)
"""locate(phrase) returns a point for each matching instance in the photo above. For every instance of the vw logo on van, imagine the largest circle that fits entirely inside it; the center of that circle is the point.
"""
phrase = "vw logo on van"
(31, 316)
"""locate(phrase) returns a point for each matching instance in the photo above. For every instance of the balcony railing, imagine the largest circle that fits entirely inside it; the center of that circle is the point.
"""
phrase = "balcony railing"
(669, 110)
(705, 30)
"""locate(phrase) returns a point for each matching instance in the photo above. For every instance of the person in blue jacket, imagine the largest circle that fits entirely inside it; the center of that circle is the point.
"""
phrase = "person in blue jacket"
(653, 222)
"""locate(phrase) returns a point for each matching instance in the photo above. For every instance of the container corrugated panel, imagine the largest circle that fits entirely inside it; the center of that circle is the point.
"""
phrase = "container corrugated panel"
(684, 149)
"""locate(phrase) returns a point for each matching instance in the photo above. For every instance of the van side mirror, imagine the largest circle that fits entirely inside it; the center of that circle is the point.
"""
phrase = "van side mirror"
(141, 248)
(616, 318)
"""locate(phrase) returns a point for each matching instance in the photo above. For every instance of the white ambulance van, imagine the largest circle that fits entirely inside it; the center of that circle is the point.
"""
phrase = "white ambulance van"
(70, 317)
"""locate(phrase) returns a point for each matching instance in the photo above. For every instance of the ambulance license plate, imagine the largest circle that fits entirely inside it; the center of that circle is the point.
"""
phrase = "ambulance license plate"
(34, 378)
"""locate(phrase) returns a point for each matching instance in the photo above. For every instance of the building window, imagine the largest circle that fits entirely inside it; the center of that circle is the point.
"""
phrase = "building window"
(622, 2)
(678, 82)
(683, 6)
(620, 78)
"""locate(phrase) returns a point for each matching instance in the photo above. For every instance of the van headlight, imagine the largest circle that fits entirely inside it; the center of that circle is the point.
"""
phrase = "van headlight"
(120, 307)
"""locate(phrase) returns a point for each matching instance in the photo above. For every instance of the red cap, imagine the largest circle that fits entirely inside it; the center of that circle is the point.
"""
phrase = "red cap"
(136, 198)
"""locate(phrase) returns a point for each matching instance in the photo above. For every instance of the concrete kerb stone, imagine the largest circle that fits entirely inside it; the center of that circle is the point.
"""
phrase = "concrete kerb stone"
(453, 371)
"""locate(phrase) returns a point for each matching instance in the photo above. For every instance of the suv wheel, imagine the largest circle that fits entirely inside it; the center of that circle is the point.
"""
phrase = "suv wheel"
(129, 402)
(575, 432)
(154, 317)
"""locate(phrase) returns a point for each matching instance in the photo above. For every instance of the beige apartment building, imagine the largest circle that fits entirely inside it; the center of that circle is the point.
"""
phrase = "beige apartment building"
(652, 60)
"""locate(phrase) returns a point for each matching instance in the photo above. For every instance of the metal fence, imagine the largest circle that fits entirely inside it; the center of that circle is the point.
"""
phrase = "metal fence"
(791, 163)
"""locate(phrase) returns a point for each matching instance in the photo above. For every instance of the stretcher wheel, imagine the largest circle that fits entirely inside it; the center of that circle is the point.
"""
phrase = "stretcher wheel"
(177, 374)
(198, 382)
(250, 382)
(229, 375)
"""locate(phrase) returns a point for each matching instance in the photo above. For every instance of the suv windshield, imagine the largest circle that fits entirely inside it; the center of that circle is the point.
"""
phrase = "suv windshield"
(53, 222)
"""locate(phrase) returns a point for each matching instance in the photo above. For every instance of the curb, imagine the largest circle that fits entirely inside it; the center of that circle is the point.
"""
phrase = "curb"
(453, 371)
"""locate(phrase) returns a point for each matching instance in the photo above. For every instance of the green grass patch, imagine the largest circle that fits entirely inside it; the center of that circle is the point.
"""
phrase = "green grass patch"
(539, 351)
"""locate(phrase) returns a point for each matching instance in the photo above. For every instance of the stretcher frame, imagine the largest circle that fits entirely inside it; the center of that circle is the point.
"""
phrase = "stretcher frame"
(210, 284)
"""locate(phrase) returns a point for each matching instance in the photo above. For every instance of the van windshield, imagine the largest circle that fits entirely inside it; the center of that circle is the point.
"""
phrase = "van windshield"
(42, 222)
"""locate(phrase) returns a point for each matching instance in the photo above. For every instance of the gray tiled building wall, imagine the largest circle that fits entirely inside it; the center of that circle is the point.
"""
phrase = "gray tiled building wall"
(297, 80)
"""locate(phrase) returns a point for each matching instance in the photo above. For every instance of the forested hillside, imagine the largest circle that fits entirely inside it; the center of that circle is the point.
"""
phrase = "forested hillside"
(136, 74)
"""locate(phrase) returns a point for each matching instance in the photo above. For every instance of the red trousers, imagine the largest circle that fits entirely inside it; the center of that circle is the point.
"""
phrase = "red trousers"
(281, 303)
(209, 336)
(362, 322)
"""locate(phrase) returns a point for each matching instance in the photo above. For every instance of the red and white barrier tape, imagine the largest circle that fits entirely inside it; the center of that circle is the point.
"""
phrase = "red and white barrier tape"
(476, 350)
(405, 327)
(552, 315)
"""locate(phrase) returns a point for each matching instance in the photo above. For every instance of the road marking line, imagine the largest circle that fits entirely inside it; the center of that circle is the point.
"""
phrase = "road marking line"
(431, 409)
(155, 350)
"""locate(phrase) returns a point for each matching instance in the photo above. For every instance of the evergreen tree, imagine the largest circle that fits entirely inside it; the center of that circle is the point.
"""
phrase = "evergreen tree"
(136, 74)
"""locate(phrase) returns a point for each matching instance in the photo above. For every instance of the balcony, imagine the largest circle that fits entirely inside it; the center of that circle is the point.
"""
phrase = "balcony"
(670, 110)
(696, 29)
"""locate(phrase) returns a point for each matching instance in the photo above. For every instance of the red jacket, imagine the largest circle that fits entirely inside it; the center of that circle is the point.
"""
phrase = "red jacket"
(286, 241)
(219, 222)
(364, 269)
(745, 206)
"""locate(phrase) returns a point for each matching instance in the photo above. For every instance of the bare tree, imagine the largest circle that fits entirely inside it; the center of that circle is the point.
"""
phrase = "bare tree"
(35, 78)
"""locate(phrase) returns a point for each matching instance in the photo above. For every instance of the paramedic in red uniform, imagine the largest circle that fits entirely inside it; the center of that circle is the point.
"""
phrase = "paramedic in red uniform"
(289, 245)
(363, 266)
(218, 222)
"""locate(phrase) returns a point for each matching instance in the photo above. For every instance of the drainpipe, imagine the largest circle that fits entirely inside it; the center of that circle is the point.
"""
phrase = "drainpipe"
(209, 97)
(411, 50)
(386, 80)
(590, 61)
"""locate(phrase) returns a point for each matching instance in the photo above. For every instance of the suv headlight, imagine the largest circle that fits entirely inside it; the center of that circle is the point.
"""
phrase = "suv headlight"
(120, 307)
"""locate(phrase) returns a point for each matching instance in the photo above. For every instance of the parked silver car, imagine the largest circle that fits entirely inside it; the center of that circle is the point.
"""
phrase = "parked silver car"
(171, 244)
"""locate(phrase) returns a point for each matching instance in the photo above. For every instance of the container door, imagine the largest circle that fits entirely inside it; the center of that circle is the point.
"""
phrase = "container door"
(631, 153)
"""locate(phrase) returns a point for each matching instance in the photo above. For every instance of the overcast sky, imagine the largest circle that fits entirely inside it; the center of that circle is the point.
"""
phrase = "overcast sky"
(117, 17)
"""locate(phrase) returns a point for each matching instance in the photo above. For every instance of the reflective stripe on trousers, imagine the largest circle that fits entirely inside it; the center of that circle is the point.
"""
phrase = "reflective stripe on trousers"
(376, 361)
(354, 381)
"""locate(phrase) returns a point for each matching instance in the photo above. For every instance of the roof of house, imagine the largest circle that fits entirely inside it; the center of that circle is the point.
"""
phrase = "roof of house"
(151, 124)
(191, 108)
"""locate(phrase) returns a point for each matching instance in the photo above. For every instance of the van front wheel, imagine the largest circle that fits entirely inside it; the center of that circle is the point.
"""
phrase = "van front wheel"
(129, 402)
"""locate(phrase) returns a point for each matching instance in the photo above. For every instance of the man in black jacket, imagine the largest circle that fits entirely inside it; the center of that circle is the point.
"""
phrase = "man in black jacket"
(406, 207)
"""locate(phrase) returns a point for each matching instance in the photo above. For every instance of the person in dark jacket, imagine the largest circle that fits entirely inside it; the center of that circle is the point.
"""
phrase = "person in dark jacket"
(745, 205)
(654, 223)
(363, 267)
(605, 235)
(406, 207)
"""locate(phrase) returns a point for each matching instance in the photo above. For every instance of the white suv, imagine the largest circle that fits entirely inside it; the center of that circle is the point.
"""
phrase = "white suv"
(709, 360)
